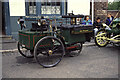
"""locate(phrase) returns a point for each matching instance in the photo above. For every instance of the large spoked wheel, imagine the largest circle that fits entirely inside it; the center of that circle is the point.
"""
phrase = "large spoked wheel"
(49, 51)
(76, 50)
(24, 52)
(100, 40)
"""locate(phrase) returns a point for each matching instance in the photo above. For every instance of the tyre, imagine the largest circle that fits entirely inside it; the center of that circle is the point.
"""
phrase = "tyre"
(100, 40)
(24, 52)
(49, 51)
(76, 51)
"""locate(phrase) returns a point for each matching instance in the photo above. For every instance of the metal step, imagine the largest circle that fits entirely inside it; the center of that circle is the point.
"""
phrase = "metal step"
(5, 36)
(6, 39)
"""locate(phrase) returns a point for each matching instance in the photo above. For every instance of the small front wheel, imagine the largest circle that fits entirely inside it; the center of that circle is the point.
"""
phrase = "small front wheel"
(49, 51)
(24, 52)
(76, 50)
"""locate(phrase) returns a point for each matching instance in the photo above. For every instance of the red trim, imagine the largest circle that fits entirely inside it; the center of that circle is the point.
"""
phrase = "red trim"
(71, 47)
(28, 39)
(45, 45)
(34, 38)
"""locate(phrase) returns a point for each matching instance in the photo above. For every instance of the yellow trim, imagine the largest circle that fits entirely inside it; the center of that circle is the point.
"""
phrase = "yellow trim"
(101, 39)
(110, 39)
(73, 32)
(113, 40)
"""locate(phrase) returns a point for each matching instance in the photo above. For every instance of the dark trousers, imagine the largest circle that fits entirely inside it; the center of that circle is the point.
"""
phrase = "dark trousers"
(22, 25)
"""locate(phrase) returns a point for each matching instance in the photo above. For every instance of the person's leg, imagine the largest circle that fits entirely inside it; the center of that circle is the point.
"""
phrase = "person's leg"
(95, 31)
(21, 26)
(24, 25)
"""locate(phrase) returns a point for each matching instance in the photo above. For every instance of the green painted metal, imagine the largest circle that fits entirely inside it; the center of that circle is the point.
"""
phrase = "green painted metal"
(115, 30)
(115, 22)
(29, 38)
(72, 38)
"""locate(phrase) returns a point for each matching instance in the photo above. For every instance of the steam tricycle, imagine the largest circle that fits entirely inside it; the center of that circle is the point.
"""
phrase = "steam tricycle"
(48, 43)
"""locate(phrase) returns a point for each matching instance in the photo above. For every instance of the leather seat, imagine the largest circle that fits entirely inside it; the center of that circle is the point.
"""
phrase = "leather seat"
(36, 27)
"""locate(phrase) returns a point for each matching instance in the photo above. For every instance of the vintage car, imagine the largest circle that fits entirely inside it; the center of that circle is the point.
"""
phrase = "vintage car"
(48, 43)
(109, 34)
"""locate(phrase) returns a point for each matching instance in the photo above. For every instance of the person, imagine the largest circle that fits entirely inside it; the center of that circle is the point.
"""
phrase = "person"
(42, 21)
(21, 22)
(97, 24)
(109, 19)
(81, 20)
(87, 21)
(43, 25)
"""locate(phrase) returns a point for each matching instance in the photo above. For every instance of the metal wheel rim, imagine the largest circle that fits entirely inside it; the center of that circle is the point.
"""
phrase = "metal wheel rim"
(47, 58)
(24, 52)
(78, 51)
(101, 42)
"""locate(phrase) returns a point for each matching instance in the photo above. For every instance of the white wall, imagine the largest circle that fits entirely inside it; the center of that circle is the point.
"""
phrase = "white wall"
(79, 6)
(17, 7)
(0, 17)
(0, 40)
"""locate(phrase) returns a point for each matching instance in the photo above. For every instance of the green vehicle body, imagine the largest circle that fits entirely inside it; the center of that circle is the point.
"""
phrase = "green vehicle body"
(70, 36)
(115, 29)
(68, 33)
(116, 21)
(29, 38)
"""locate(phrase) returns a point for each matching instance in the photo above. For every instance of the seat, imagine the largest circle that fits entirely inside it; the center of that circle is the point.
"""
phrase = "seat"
(36, 27)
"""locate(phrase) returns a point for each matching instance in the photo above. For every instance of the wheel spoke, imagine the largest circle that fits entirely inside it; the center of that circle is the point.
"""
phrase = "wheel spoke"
(24, 52)
(76, 51)
(52, 57)
(100, 40)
